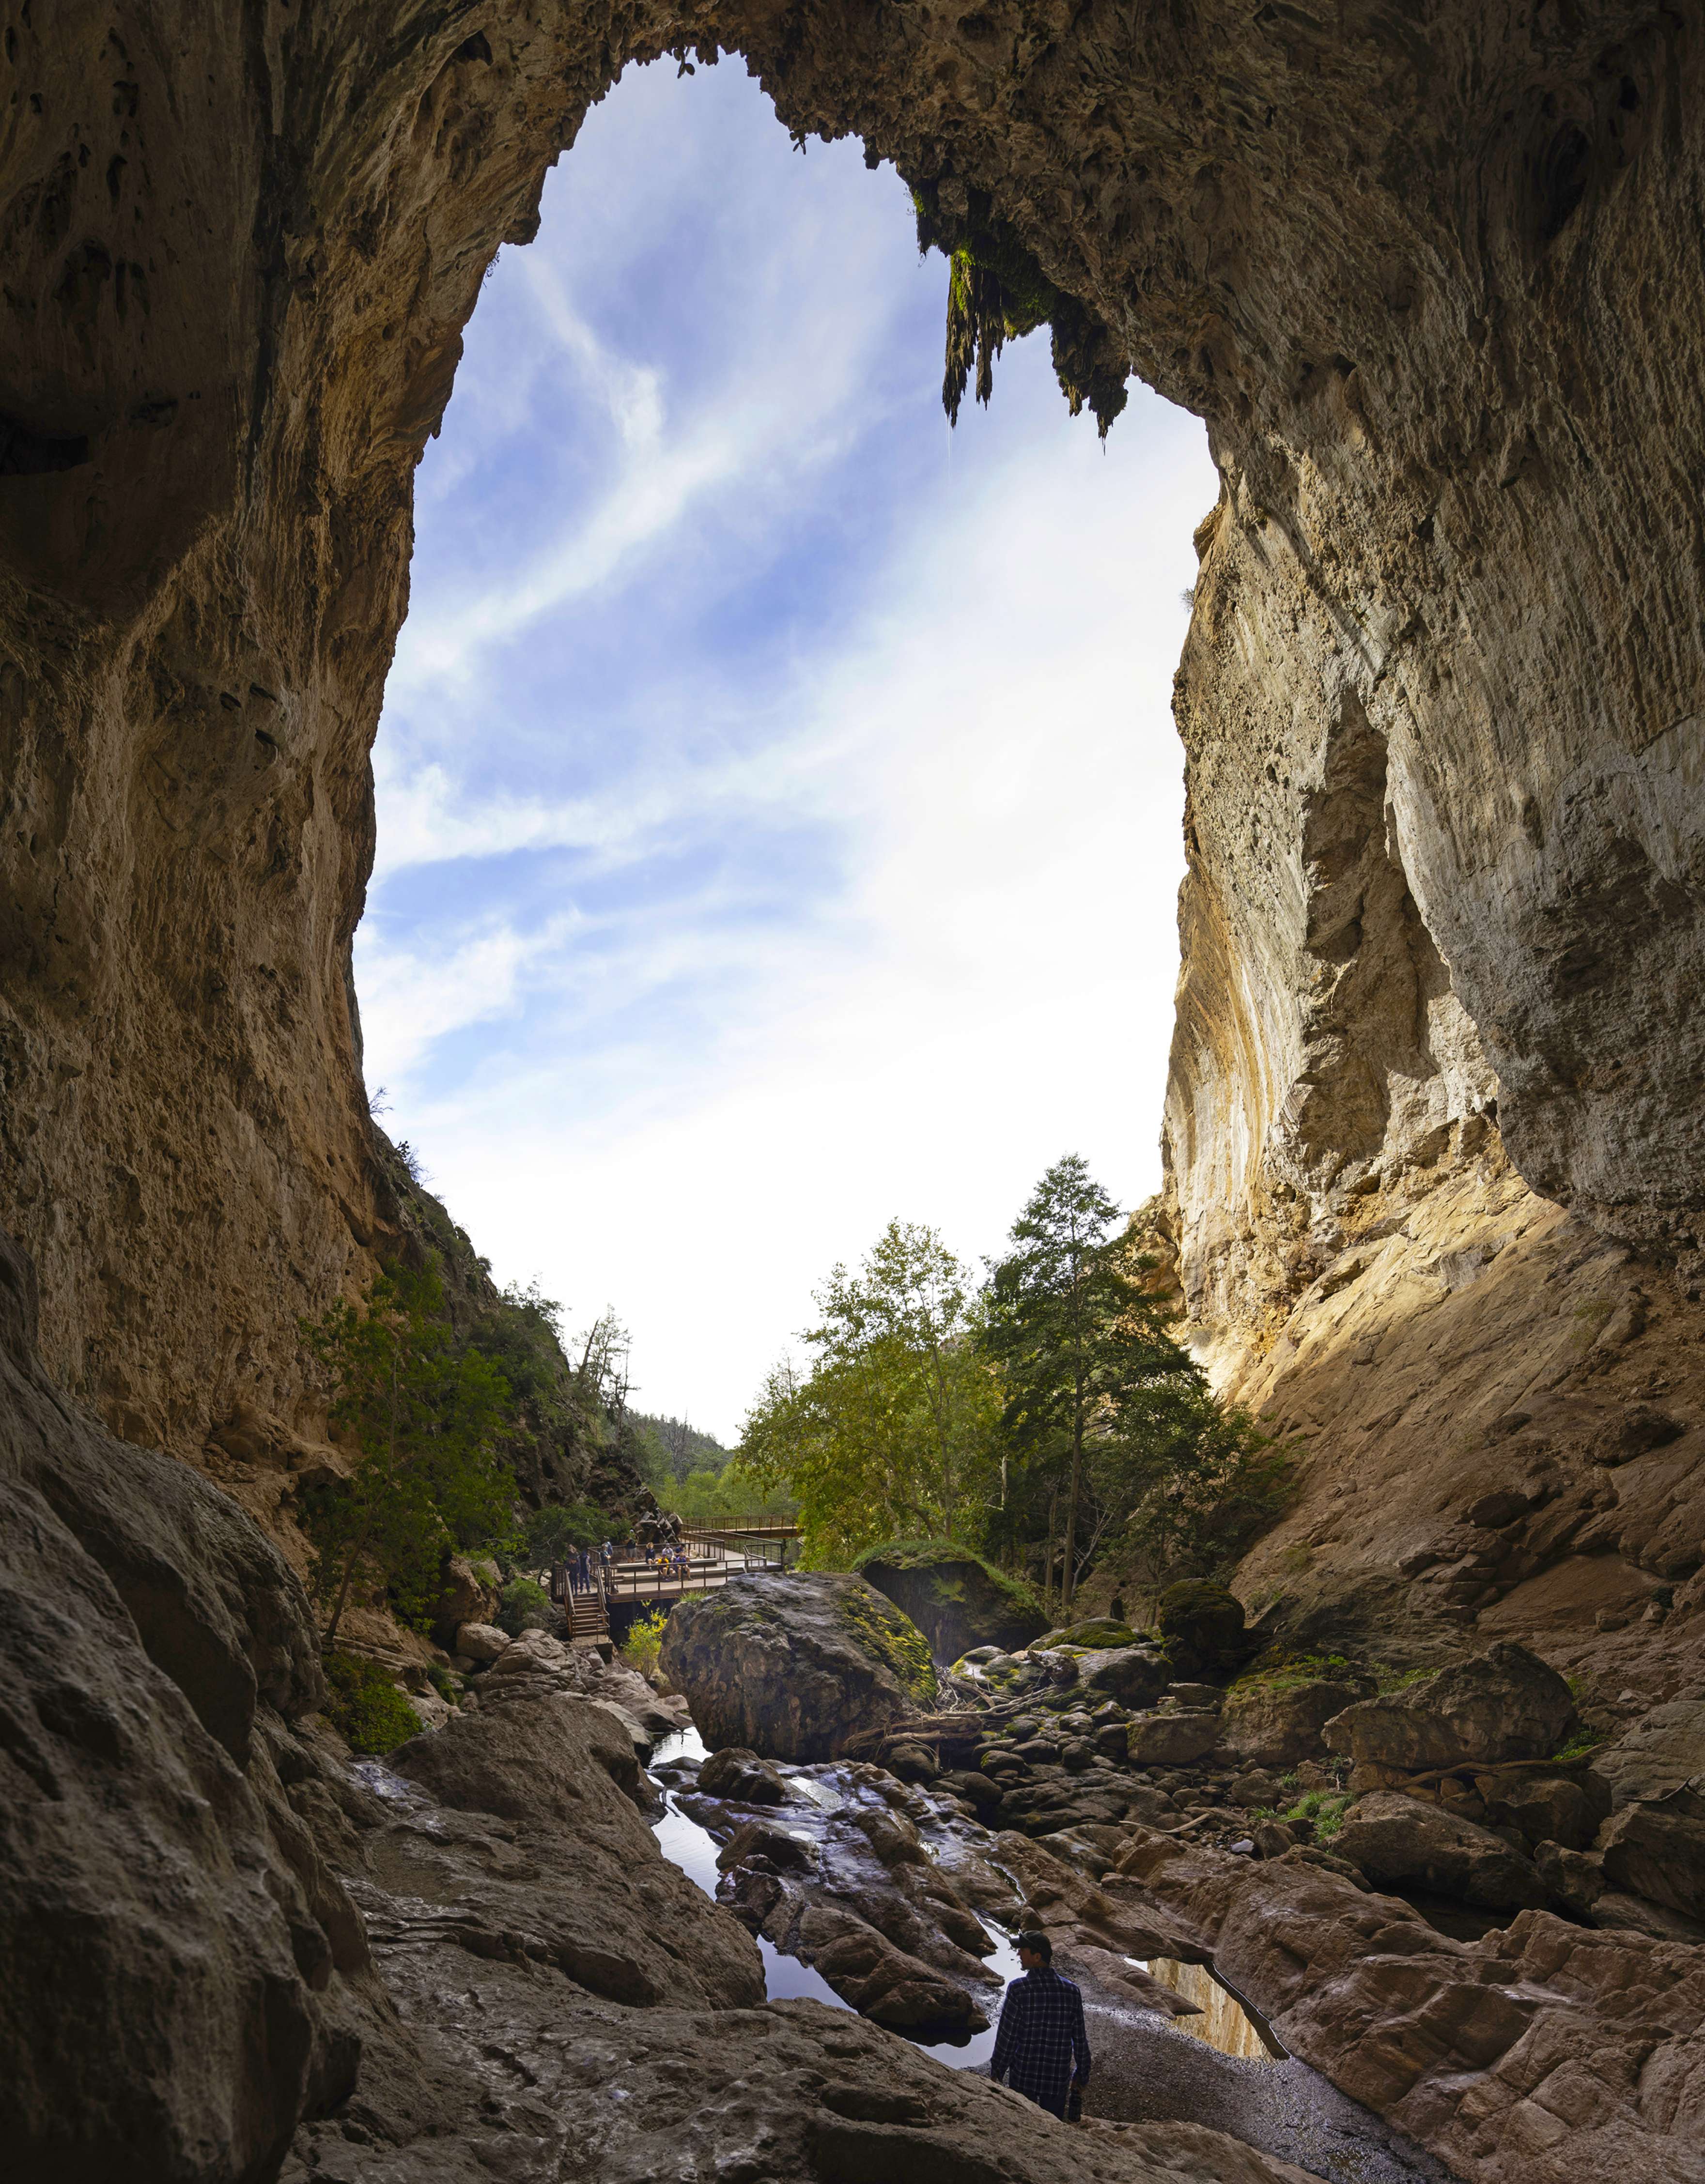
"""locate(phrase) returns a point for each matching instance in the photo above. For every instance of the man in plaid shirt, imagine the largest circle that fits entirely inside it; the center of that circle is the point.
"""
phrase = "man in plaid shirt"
(1041, 2030)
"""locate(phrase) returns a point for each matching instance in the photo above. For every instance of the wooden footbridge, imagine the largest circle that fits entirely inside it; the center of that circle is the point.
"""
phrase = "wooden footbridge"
(712, 1556)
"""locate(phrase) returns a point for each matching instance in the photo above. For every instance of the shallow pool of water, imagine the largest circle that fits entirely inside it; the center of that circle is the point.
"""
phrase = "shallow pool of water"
(1222, 2018)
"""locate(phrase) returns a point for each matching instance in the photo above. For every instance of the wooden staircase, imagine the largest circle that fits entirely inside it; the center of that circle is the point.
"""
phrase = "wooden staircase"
(589, 1620)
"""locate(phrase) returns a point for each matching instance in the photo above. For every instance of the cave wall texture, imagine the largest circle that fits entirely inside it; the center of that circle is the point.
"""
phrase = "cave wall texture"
(1431, 269)
(1432, 274)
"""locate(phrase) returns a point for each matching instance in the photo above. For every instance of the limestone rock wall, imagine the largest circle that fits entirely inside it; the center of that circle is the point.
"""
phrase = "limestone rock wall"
(1433, 279)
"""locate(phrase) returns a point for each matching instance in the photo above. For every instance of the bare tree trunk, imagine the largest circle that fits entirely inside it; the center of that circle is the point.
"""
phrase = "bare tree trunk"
(1069, 1576)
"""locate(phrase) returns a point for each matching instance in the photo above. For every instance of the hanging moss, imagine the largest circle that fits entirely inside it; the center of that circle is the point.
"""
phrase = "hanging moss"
(997, 292)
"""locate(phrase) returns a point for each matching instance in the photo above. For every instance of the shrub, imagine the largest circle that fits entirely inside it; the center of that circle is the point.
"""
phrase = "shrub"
(522, 1605)
(365, 1708)
(446, 1683)
(645, 1642)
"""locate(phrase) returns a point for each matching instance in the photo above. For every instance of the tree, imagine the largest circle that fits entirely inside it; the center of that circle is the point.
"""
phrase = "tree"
(891, 1430)
(1081, 1340)
(425, 1420)
(1193, 1482)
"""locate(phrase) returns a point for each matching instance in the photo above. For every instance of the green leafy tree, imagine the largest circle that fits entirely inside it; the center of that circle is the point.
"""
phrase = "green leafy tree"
(425, 1420)
(1081, 1340)
(891, 1431)
(1192, 1483)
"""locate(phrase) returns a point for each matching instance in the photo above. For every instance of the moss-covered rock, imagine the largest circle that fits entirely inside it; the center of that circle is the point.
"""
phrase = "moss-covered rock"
(956, 1599)
(1201, 1627)
(1095, 1635)
(790, 1666)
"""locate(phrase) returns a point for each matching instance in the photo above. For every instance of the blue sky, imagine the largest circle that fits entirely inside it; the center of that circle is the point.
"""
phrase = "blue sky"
(778, 800)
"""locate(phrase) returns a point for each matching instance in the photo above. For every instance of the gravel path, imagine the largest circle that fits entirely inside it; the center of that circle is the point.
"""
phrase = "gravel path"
(1144, 2072)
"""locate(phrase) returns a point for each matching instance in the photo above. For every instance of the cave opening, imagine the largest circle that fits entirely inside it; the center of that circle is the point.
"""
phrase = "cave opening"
(772, 780)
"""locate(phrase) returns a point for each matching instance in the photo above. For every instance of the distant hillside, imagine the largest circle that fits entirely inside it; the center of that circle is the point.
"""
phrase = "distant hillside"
(674, 1448)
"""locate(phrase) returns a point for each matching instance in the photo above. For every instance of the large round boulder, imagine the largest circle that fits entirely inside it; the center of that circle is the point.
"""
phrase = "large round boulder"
(1201, 1627)
(1399, 1841)
(956, 1599)
(1278, 1719)
(791, 1666)
(1501, 1705)
(1134, 1675)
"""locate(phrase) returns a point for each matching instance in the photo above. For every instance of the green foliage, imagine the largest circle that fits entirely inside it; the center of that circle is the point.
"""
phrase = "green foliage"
(1200, 1480)
(892, 1430)
(1584, 1741)
(445, 1682)
(425, 1420)
(1325, 1811)
(669, 1449)
(644, 1643)
(996, 292)
(562, 1529)
(732, 1495)
(523, 1605)
(1398, 1680)
(365, 1706)
(1291, 1670)
(1096, 1389)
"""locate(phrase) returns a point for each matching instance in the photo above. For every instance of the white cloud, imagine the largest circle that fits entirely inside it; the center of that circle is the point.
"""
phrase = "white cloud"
(881, 931)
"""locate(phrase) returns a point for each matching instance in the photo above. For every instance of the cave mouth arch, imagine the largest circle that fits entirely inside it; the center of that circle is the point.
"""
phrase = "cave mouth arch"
(1426, 346)
(740, 702)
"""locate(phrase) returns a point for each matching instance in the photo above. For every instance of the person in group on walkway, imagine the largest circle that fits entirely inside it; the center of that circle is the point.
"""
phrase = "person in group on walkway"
(1041, 2048)
(585, 1570)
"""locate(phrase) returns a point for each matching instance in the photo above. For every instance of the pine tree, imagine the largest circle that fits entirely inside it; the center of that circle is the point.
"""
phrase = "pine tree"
(1080, 1339)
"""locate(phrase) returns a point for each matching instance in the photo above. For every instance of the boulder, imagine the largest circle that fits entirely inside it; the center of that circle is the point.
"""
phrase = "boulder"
(742, 1777)
(468, 1594)
(1171, 1740)
(792, 1666)
(480, 1642)
(758, 1839)
(1270, 1722)
(1655, 1847)
(1097, 1635)
(1545, 1808)
(1663, 1752)
(956, 1599)
(1503, 1704)
(1134, 1675)
(881, 1982)
(1201, 1627)
(1393, 1839)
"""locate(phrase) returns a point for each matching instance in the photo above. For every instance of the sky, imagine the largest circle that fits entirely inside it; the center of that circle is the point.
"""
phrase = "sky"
(778, 802)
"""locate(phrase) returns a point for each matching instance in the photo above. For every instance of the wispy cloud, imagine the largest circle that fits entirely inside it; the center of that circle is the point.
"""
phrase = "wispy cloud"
(779, 803)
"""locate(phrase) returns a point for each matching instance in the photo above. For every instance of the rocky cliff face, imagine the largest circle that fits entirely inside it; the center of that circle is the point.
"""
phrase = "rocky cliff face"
(1432, 277)
(1432, 287)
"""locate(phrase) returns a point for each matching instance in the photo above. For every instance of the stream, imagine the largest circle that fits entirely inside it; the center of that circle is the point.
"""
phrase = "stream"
(1224, 2068)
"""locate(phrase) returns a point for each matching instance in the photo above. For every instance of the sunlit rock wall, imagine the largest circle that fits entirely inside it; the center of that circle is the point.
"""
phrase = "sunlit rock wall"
(1434, 283)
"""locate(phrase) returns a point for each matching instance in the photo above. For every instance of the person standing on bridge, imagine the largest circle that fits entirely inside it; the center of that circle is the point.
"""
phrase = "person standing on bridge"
(1041, 2048)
